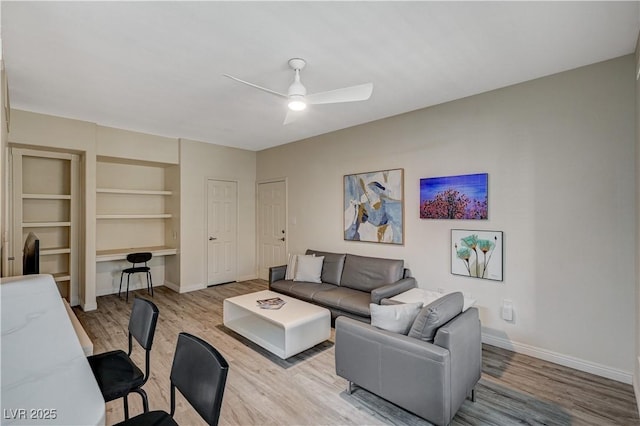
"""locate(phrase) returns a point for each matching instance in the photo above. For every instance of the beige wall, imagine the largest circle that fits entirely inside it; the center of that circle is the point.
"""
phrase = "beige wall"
(47, 132)
(202, 161)
(135, 146)
(560, 156)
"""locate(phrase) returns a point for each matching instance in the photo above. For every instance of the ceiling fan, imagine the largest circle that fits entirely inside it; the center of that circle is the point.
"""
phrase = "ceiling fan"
(297, 96)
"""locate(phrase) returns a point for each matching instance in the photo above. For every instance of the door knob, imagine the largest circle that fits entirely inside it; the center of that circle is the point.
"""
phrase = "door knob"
(212, 238)
(281, 239)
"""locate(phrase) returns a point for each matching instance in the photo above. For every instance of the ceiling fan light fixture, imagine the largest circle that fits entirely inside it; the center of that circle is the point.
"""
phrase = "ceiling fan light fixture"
(297, 103)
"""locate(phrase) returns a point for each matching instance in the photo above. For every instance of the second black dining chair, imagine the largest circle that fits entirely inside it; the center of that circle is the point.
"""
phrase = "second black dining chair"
(116, 373)
(199, 372)
(135, 259)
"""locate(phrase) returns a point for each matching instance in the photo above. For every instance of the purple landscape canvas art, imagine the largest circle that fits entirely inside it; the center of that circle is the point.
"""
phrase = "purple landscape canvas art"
(454, 197)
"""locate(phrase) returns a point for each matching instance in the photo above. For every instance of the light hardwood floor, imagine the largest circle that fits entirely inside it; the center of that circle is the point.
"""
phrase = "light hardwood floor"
(262, 389)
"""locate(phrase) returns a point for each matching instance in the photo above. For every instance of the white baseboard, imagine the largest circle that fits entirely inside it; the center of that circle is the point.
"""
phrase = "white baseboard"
(192, 287)
(172, 286)
(89, 306)
(557, 358)
(636, 385)
(248, 277)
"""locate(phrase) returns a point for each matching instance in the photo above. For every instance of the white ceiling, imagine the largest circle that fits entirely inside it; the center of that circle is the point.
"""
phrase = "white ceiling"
(156, 67)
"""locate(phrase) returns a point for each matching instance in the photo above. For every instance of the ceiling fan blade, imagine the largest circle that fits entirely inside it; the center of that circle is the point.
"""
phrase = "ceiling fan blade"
(264, 89)
(292, 116)
(361, 92)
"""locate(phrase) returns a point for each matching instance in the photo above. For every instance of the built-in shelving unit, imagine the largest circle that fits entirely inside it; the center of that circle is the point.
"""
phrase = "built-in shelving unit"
(46, 202)
(134, 202)
(131, 205)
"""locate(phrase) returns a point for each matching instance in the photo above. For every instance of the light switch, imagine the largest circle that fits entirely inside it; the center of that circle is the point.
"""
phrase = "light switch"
(507, 310)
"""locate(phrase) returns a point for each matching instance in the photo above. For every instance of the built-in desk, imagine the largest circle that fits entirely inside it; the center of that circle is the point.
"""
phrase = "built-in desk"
(121, 254)
(46, 378)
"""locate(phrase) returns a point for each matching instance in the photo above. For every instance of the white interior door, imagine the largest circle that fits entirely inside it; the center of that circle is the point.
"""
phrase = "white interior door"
(272, 208)
(222, 208)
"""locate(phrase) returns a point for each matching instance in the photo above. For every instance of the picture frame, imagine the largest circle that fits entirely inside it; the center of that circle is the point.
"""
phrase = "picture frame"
(374, 206)
(477, 254)
(455, 197)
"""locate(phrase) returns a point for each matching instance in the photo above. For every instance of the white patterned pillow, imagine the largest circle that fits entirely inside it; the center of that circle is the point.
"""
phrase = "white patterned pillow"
(291, 265)
(396, 318)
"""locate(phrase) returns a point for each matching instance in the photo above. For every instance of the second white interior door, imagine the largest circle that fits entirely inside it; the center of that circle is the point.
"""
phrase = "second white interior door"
(222, 208)
(272, 208)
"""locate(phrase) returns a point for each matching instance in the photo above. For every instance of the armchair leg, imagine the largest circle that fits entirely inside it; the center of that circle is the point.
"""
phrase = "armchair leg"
(350, 387)
(473, 395)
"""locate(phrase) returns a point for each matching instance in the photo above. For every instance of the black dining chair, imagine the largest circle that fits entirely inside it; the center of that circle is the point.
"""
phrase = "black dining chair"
(116, 373)
(199, 372)
(137, 258)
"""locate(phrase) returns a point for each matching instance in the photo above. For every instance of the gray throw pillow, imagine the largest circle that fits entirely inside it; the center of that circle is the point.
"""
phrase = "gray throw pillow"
(436, 314)
(332, 266)
(395, 318)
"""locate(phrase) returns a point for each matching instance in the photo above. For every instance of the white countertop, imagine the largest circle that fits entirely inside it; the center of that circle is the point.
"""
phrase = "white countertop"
(46, 378)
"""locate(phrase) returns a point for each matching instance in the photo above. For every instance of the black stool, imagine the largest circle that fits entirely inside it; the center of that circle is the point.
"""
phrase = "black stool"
(135, 258)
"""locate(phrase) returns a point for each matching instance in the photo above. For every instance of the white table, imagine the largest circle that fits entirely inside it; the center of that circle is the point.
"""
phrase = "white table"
(46, 378)
(287, 331)
(426, 297)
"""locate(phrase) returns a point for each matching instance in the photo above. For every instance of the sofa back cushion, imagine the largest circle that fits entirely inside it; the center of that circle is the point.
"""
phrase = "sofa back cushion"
(367, 273)
(435, 315)
(332, 266)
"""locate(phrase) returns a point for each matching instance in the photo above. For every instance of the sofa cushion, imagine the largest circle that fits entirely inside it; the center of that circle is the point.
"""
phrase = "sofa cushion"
(345, 299)
(366, 273)
(282, 286)
(395, 318)
(436, 314)
(306, 290)
(332, 266)
(309, 268)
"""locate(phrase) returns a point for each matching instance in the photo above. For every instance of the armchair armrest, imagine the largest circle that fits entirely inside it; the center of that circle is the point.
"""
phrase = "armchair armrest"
(277, 273)
(462, 337)
(393, 289)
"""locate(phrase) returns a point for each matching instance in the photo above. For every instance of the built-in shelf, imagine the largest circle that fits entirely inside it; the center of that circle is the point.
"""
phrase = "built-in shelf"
(44, 224)
(132, 191)
(121, 253)
(45, 197)
(51, 251)
(61, 277)
(134, 216)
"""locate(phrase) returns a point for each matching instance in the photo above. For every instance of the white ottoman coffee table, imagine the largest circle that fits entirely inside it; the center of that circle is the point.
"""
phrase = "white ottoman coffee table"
(287, 331)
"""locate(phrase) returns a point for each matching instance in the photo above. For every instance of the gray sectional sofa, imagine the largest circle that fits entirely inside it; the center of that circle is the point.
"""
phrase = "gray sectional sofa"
(349, 283)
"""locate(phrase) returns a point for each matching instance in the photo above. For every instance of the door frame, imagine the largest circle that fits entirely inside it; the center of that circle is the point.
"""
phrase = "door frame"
(205, 281)
(286, 216)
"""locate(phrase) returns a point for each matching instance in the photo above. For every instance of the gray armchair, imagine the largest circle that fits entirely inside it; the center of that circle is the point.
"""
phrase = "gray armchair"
(431, 380)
